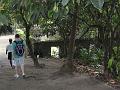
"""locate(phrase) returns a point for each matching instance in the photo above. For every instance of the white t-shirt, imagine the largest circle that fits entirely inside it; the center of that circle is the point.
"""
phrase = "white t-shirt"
(9, 48)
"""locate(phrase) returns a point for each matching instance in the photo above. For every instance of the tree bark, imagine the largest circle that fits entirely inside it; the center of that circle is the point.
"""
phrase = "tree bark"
(73, 33)
(68, 65)
(29, 44)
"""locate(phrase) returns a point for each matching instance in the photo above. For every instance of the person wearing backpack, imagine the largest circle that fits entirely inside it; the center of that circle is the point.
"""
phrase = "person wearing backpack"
(18, 55)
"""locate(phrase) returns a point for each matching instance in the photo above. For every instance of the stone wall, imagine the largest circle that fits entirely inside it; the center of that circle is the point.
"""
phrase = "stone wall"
(43, 49)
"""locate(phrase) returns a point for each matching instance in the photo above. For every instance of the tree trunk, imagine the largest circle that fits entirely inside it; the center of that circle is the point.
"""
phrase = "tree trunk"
(68, 65)
(105, 60)
(65, 46)
(73, 33)
(29, 44)
(107, 42)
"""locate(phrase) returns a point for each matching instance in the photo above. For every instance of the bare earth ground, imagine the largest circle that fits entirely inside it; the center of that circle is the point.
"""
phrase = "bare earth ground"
(47, 78)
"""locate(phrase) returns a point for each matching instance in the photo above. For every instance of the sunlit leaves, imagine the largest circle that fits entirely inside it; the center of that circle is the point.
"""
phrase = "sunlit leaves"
(110, 62)
(3, 19)
(66, 10)
(25, 3)
(55, 8)
(1, 7)
(65, 2)
(78, 1)
(3, 14)
(54, 12)
(97, 3)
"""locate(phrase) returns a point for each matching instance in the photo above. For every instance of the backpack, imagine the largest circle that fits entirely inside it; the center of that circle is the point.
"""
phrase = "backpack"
(19, 48)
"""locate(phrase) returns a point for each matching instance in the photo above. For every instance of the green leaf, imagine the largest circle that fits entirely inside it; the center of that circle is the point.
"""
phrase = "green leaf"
(55, 8)
(50, 13)
(78, 1)
(110, 62)
(88, 3)
(97, 3)
(25, 3)
(66, 10)
(65, 2)
(3, 19)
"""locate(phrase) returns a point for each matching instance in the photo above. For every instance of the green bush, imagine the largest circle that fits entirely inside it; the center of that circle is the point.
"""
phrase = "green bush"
(92, 56)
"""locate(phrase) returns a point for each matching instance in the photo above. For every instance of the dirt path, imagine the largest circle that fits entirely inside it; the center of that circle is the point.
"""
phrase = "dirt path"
(47, 79)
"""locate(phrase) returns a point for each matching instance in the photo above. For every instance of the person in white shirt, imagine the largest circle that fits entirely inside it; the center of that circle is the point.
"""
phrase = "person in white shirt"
(9, 50)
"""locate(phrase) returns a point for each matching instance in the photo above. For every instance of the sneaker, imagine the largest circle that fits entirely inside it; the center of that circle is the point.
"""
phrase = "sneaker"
(13, 67)
(16, 76)
(24, 76)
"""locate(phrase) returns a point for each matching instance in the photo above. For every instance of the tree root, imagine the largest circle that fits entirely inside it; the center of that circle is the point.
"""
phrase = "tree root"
(68, 67)
(42, 65)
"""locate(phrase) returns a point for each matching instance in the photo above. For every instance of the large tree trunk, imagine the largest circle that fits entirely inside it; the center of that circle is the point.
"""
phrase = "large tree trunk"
(105, 60)
(104, 41)
(28, 42)
(65, 44)
(108, 45)
(68, 65)
(30, 48)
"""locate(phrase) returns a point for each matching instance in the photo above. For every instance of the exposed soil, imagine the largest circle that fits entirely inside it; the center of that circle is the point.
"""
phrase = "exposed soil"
(48, 78)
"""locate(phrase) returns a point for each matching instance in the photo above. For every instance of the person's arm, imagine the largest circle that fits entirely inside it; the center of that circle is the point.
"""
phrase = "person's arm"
(25, 48)
(24, 43)
(6, 49)
(13, 51)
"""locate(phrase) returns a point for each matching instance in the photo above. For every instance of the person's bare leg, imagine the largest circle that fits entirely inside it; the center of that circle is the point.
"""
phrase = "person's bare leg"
(17, 71)
(22, 69)
(11, 63)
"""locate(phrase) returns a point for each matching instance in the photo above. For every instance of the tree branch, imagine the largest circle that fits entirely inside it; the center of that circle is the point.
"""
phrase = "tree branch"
(22, 15)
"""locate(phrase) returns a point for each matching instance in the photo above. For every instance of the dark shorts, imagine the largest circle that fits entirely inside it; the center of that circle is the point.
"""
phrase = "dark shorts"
(10, 56)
